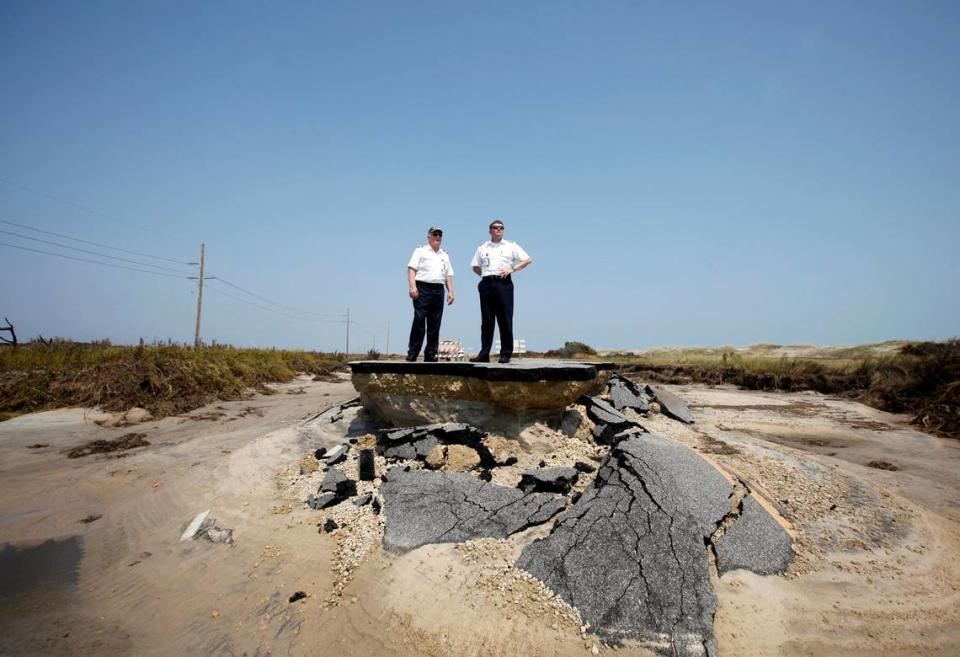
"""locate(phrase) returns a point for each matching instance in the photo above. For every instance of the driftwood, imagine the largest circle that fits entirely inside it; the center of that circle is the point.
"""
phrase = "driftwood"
(13, 334)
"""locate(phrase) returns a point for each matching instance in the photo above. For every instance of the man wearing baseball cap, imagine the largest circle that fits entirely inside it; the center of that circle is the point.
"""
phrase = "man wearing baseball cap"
(428, 271)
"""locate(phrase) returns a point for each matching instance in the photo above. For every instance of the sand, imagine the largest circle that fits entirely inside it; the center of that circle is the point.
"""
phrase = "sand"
(877, 570)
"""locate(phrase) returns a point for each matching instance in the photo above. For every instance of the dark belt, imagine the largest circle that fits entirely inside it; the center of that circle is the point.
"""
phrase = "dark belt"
(506, 278)
(431, 285)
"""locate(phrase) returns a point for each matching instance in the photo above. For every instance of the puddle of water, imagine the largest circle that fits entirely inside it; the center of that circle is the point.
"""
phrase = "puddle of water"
(26, 568)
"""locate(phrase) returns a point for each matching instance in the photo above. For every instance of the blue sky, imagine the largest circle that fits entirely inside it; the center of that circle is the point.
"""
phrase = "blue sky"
(716, 173)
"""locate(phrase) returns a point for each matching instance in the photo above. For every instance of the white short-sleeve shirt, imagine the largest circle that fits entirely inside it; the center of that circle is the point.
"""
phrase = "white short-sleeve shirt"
(492, 257)
(431, 266)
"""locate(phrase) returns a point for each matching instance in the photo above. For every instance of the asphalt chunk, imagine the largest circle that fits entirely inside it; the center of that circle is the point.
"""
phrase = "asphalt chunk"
(671, 404)
(754, 542)
(624, 393)
(424, 507)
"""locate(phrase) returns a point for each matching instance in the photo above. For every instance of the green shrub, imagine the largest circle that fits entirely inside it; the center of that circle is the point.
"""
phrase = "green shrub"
(571, 350)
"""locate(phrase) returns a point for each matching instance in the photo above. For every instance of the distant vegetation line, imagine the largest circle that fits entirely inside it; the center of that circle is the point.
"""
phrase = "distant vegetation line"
(922, 379)
(919, 378)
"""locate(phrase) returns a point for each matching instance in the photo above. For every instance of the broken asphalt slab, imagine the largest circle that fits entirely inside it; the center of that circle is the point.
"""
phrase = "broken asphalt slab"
(448, 432)
(631, 554)
(336, 455)
(754, 542)
(332, 414)
(549, 480)
(363, 500)
(671, 404)
(322, 500)
(342, 421)
(608, 434)
(610, 425)
(415, 450)
(415, 443)
(424, 507)
(570, 422)
(366, 465)
(339, 484)
(334, 488)
(601, 412)
(624, 393)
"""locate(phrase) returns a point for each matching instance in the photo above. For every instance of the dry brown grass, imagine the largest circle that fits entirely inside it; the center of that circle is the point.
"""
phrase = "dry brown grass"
(163, 378)
(920, 378)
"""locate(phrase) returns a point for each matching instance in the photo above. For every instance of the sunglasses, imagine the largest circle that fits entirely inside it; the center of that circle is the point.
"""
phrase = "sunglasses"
(496, 227)
(436, 234)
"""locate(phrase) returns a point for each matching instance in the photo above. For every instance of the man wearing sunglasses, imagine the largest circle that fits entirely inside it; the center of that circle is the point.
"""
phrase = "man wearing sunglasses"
(428, 271)
(494, 262)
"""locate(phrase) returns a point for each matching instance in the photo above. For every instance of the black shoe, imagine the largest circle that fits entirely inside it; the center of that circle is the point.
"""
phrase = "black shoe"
(411, 359)
(478, 359)
(431, 360)
(504, 359)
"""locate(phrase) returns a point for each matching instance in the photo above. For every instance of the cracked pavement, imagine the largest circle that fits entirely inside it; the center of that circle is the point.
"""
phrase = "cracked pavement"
(632, 555)
(436, 507)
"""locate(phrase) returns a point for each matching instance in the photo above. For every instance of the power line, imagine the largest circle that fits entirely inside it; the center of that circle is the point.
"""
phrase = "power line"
(95, 262)
(84, 208)
(252, 294)
(105, 246)
(270, 310)
(157, 273)
(102, 255)
(261, 298)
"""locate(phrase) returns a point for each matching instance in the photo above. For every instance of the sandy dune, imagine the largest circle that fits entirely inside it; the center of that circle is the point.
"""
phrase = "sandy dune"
(877, 570)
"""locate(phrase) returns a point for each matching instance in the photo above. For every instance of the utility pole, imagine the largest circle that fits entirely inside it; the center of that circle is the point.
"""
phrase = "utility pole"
(346, 353)
(386, 350)
(196, 337)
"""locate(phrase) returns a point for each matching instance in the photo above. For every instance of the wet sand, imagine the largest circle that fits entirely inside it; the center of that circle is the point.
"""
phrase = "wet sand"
(877, 570)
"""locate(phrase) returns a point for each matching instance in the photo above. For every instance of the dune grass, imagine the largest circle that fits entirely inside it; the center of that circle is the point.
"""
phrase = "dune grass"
(164, 378)
(920, 378)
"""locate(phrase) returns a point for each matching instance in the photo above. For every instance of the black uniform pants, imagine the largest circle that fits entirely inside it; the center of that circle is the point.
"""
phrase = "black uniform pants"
(427, 312)
(496, 303)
